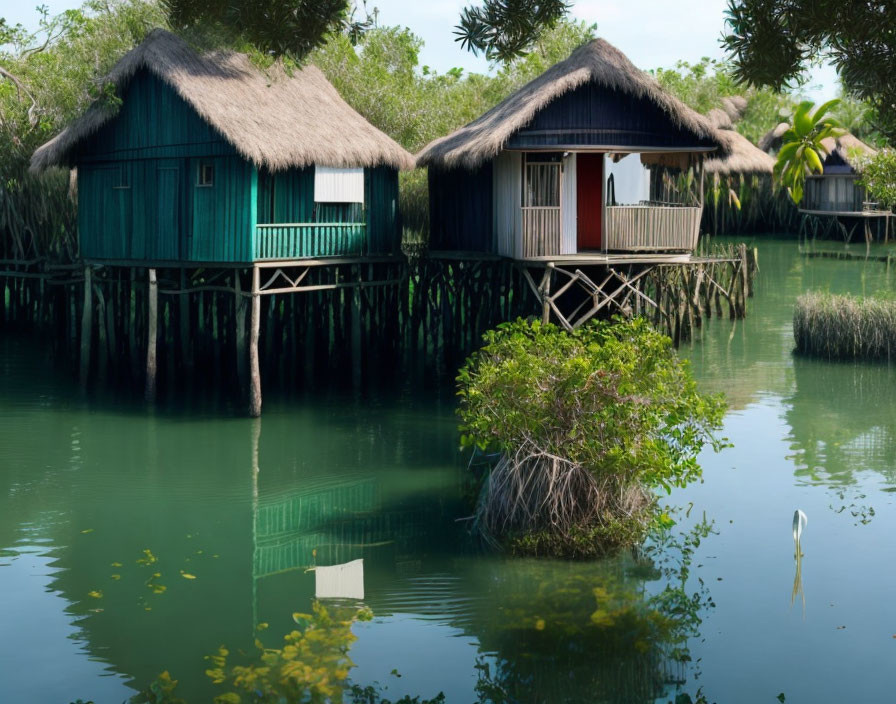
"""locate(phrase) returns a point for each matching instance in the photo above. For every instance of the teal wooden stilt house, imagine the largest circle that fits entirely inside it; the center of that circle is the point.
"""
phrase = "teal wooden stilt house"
(209, 159)
(209, 175)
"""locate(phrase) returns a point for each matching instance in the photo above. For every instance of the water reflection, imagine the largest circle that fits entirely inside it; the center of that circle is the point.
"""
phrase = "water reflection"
(234, 511)
(843, 421)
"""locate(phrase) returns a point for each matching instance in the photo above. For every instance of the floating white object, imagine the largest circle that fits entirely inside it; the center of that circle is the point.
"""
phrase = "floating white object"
(344, 581)
(799, 522)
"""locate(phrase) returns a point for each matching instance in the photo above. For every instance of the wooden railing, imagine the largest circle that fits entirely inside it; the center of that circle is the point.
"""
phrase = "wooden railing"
(653, 228)
(302, 240)
(541, 231)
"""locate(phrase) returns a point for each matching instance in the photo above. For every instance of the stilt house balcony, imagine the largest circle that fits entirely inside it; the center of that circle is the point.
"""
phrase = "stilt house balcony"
(319, 239)
(652, 227)
(646, 227)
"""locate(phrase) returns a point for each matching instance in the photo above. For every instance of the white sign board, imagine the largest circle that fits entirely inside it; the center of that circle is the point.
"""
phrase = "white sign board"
(333, 185)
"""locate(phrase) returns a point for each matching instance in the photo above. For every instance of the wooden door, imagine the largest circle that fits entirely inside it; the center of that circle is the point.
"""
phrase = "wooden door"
(589, 200)
(169, 194)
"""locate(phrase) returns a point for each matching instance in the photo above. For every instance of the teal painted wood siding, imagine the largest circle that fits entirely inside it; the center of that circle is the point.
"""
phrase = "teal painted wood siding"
(309, 229)
(141, 196)
(154, 210)
(222, 215)
(153, 122)
(383, 226)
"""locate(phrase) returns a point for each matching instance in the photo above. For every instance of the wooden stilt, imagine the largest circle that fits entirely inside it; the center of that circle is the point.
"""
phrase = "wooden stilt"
(242, 342)
(254, 373)
(152, 326)
(86, 326)
(184, 322)
(546, 296)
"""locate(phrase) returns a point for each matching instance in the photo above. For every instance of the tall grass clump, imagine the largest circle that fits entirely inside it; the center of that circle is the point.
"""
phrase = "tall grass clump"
(844, 327)
(587, 425)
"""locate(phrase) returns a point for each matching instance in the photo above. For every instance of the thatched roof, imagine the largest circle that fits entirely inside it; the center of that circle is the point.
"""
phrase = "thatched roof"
(743, 157)
(271, 118)
(771, 140)
(597, 61)
(847, 146)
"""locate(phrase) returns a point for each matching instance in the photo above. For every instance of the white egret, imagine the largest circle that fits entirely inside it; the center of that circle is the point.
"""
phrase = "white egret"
(799, 522)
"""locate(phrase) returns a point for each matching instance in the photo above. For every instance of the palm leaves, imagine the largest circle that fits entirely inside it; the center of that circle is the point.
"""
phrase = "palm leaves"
(803, 144)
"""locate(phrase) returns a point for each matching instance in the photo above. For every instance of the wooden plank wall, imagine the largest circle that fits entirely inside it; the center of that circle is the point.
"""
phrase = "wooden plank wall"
(833, 192)
(460, 209)
(507, 196)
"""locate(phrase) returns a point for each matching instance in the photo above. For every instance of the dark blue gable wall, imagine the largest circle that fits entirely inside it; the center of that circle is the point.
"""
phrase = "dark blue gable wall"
(594, 116)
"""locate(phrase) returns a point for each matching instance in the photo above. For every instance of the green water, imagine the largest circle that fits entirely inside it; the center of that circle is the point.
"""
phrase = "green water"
(247, 506)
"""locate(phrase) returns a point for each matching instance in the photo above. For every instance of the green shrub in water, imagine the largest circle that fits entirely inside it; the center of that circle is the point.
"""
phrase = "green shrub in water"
(587, 424)
(844, 327)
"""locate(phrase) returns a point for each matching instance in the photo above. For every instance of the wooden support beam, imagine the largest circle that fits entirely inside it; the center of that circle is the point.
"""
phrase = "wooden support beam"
(254, 327)
(242, 341)
(184, 321)
(86, 327)
(546, 295)
(152, 328)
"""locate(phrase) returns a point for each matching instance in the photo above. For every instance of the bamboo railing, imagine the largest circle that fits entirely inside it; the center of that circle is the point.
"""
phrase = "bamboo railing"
(631, 228)
(541, 231)
(318, 239)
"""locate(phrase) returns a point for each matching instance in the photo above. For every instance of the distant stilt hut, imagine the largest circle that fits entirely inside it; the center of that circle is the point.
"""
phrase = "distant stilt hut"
(211, 159)
(835, 189)
(834, 196)
(561, 167)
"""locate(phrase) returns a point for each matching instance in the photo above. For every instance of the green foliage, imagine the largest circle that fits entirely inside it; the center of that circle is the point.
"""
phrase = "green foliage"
(858, 117)
(773, 42)
(312, 665)
(606, 609)
(587, 422)
(504, 30)
(159, 691)
(845, 327)
(878, 178)
(704, 85)
(48, 77)
(801, 146)
(276, 28)
(611, 396)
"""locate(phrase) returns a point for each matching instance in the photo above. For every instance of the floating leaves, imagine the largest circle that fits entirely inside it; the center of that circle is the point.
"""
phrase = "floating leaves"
(87, 530)
(148, 558)
(116, 577)
(187, 575)
(115, 564)
(95, 594)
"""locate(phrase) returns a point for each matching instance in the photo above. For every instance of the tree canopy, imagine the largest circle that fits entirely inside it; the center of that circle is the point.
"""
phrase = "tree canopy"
(773, 42)
(504, 30)
(704, 85)
(278, 28)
